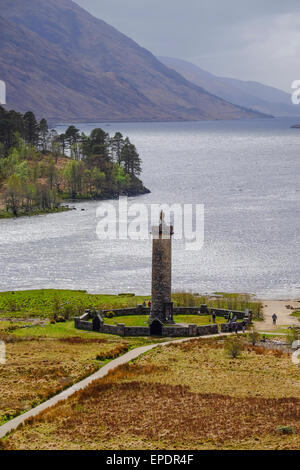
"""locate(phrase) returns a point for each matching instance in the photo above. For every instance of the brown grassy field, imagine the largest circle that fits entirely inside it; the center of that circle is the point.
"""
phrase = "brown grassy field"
(39, 368)
(43, 360)
(187, 396)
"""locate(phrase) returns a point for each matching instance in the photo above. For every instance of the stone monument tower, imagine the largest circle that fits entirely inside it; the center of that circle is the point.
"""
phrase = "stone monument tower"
(162, 307)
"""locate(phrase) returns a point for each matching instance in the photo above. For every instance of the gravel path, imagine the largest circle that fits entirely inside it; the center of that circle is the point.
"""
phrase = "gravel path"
(283, 314)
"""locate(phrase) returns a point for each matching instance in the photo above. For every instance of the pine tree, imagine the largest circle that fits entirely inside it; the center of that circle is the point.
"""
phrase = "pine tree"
(72, 135)
(131, 159)
(43, 134)
(31, 129)
(117, 144)
(62, 139)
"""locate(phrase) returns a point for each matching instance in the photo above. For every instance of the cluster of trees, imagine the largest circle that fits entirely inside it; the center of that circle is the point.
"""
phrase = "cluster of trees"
(39, 167)
(100, 166)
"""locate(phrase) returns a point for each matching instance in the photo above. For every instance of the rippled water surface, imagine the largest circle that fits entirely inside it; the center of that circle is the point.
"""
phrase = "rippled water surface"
(247, 174)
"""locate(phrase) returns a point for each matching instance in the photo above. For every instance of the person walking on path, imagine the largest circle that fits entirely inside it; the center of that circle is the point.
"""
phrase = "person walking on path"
(213, 313)
(244, 324)
(274, 318)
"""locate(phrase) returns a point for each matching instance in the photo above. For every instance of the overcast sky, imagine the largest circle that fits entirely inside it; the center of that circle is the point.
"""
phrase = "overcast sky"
(247, 39)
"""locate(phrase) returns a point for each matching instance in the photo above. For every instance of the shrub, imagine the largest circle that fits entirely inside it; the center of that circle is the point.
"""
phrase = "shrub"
(110, 314)
(12, 305)
(253, 336)
(293, 335)
(80, 309)
(233, 346)
(113, 353)
(60, 319)
(67, 311)
(56, 305)
(285, 430)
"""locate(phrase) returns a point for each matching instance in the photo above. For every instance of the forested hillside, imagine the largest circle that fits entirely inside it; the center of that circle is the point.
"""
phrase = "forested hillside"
(39, 167)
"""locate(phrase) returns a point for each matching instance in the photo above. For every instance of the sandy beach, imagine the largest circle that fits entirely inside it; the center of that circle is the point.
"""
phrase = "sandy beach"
(283, 313)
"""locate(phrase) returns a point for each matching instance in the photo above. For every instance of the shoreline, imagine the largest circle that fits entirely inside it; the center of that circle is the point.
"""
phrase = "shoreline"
(284, 314)
(64, 205)
(261, 298)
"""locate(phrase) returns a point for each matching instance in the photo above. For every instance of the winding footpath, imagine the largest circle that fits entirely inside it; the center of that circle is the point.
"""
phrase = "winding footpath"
(11, 425)
(129, 356)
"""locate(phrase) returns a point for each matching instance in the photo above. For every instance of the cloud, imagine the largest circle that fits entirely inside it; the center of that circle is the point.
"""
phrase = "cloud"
(265, 51)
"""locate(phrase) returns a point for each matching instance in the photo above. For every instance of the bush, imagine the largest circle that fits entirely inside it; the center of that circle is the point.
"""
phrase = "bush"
(80, 309)
(233, 346)
(67, 311)
(114, 353)
(293, 335)
(110, 314)
(60, 319)
(56, 305)
(127, 295)
(253, 336)
(12, 306)
(285, 430)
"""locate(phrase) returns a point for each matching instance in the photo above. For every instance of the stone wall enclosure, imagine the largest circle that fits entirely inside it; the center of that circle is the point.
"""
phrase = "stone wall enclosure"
(93, 321)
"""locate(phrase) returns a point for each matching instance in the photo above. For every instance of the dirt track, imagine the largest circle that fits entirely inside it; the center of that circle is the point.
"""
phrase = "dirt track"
(283, 314)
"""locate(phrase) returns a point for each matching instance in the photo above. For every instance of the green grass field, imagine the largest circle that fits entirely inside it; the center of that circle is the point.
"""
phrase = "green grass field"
(141, 320)
(67, 330)
(47, 302)
(42, 303)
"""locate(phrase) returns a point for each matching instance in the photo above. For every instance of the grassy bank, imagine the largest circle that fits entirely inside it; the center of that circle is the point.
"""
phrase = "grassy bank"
(47, 302)
(296, 315)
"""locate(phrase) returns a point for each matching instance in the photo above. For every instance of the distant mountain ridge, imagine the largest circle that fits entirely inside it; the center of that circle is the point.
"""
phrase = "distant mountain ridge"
(254, 95)
(61, 62)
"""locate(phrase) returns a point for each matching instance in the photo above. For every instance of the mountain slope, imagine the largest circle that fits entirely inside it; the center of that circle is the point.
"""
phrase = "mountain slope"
(54, 86)
(249, 94)
(63, 63)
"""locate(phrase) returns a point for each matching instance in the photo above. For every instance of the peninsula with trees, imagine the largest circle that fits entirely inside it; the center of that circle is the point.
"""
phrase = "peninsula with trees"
(40, 168)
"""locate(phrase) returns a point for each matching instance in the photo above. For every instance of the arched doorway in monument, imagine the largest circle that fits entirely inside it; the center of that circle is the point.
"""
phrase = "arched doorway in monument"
(156, 328)
(96, 323)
